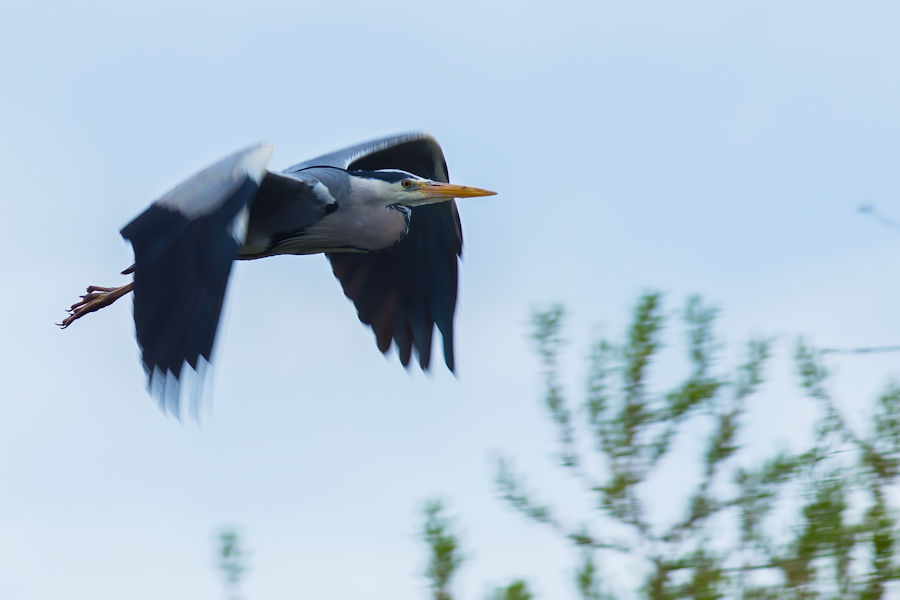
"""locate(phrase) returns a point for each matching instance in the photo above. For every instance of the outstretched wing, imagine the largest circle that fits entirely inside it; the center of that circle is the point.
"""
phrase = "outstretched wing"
(390, 152)
(404, 291)
(184, 244)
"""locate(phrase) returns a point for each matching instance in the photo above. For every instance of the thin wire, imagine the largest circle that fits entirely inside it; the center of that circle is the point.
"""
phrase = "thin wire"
(870, 350)
(878, 216)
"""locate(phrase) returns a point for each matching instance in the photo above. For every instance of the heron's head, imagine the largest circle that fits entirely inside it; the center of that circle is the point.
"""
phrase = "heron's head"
(393, 186)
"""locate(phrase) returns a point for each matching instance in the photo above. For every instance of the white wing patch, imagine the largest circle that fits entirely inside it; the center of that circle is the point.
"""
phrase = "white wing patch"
(239, 225)
(254, 161)
(322, 193)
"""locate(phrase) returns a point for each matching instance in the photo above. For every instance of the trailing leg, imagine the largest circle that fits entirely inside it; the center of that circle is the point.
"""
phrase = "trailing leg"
(96, 298)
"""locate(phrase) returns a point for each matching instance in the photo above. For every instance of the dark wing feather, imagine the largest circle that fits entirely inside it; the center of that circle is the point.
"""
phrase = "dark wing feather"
(414, 145)
(404, 291)
(184, 244)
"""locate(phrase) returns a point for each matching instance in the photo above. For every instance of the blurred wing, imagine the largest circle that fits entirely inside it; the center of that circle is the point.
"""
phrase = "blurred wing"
(184, 244)
(404, 291)
(391, 152)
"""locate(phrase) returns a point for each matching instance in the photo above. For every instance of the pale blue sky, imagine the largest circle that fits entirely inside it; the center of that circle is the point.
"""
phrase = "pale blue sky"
(711, 147)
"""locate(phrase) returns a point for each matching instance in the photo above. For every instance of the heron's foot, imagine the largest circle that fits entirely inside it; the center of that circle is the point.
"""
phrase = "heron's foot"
(95, 298)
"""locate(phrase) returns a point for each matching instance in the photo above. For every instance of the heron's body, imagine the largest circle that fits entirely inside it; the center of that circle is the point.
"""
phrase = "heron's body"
(383, 212)
(359, 222)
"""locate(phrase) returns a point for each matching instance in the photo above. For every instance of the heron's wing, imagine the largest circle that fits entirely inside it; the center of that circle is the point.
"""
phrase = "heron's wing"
(391, 152)
(184, 244)
(404, 291)
(286, 205)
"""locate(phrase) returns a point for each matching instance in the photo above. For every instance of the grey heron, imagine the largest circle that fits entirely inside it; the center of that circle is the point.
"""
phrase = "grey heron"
(383, 212)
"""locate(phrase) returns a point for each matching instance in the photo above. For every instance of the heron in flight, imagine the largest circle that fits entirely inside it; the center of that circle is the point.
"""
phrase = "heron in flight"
(383, 212)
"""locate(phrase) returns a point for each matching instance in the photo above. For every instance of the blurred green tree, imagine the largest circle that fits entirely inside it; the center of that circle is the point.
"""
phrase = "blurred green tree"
(444, 553)
(232, 561)
(445, 557)
(839, 494)
(517, 590)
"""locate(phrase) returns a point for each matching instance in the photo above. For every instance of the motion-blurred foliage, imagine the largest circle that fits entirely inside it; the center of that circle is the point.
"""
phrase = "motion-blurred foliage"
(839, 494)
(728, 543)
(444, 553)
(232, 560)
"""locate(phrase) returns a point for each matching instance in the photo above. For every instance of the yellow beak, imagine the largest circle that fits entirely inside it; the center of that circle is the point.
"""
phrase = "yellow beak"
(435, 189)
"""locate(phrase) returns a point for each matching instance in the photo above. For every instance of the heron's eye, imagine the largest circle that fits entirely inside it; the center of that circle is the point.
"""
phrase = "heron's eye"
(406, 183)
